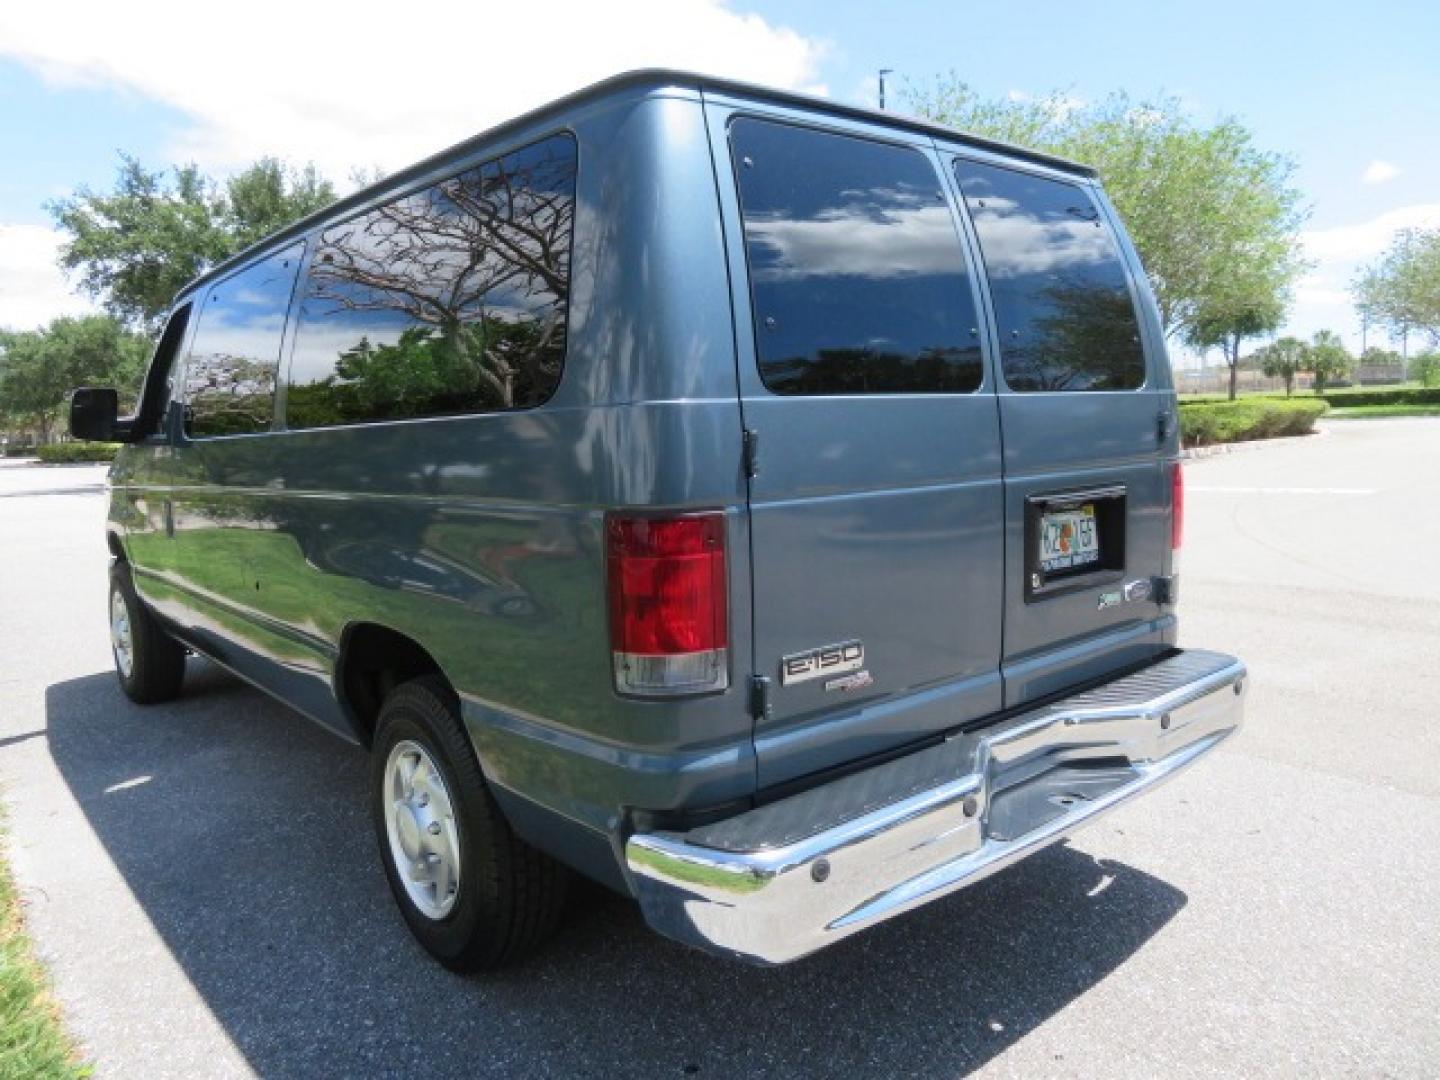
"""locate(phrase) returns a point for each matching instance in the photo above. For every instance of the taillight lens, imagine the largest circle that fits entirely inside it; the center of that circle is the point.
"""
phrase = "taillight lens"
(669, 629)
(1177, 505)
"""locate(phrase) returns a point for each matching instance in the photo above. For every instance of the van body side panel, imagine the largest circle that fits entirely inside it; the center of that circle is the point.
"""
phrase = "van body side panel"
(480, 536)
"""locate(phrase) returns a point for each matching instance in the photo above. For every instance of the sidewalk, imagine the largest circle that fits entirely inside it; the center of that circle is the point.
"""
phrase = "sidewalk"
(26, 476)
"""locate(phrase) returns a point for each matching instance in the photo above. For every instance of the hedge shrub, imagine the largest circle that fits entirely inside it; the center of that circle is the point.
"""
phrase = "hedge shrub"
(1426, 368)
(1411, 395)
(68, 453)
(1207, 422)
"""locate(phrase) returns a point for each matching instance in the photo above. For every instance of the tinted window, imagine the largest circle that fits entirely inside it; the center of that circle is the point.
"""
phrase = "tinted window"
(158, 385)
(450, 300)
(1062, 303)
(857, 276)
(230, 372)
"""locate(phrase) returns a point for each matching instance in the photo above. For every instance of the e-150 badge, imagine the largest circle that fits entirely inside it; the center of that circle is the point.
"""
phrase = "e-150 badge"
(826, 661)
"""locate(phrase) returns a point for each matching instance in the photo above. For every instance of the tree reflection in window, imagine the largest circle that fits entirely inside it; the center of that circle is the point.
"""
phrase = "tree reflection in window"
(449, 300)
(1062, 302)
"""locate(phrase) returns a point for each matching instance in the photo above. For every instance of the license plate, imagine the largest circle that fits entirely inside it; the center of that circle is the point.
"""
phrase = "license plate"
(1068, 538)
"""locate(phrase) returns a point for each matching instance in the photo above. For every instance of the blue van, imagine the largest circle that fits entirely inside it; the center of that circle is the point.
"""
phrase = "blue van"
(765, 507)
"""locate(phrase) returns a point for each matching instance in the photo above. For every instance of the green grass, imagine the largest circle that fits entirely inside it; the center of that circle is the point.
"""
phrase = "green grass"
(1374, 412)
(32, 1044)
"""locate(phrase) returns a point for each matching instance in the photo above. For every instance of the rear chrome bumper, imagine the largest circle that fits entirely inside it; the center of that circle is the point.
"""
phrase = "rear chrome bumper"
(786, 879)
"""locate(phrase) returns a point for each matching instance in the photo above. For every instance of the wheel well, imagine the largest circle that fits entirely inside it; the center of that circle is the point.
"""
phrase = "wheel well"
(373, 661)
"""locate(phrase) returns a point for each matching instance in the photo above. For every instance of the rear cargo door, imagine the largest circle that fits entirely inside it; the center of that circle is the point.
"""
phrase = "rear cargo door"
(1086, 424)
(875, 494)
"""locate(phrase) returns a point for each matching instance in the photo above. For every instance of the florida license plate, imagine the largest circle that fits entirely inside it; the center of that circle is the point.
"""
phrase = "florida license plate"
(1068, 538)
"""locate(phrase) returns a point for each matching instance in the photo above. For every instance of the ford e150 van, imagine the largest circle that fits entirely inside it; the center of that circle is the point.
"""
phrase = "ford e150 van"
(765, 507)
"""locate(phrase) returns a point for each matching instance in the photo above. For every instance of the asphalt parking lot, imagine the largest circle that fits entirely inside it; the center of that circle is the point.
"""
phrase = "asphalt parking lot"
(202, 881)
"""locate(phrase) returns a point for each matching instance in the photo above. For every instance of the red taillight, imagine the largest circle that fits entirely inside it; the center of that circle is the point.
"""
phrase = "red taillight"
(669, 629)
(1177, 505)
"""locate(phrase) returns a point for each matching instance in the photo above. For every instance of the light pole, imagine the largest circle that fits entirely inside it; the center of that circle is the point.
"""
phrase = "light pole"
(883, 73)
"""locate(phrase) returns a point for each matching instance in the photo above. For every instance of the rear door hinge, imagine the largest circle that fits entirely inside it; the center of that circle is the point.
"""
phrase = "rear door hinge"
(1163, 421)
(759, 697)
(750, 451)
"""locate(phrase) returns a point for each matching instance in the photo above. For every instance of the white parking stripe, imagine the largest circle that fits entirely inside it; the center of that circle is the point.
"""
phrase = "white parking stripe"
(1213, 490)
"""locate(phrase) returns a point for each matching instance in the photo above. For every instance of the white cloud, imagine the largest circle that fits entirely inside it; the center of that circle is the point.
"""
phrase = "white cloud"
(1366, 239)
(1322, 296)
(32, 289)
(382, 84)
(369, 84)
(908, 241)
(1377, 172)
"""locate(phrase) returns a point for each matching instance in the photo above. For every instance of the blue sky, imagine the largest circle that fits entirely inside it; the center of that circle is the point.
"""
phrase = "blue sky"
(1351, 92)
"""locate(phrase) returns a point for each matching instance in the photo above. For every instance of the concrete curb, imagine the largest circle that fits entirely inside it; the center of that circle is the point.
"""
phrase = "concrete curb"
(1216, 450)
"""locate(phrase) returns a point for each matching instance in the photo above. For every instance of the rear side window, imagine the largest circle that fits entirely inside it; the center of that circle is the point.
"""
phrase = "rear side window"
(449, 300)
(857, 276)
(1062, 302)
(230, 371)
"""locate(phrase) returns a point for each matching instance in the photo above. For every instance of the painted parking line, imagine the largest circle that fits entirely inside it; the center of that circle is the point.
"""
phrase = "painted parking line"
(1208, 489)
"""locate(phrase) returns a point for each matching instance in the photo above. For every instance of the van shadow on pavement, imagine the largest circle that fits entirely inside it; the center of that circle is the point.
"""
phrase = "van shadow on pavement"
(251, 852)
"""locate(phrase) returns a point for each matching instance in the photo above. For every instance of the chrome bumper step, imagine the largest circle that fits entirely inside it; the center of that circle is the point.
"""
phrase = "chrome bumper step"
(783, 880)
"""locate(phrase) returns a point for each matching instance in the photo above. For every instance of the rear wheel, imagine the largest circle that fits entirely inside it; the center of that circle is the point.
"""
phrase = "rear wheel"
(474, 894)
(149, 662)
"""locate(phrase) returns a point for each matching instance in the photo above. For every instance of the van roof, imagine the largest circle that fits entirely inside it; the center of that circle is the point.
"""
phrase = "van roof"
(630, 80)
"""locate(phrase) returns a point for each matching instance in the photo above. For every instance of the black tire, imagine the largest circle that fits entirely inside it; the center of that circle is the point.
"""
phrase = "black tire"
(158, 666)
(509, 896)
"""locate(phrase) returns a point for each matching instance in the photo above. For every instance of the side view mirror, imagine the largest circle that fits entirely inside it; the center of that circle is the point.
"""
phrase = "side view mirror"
(94, 415)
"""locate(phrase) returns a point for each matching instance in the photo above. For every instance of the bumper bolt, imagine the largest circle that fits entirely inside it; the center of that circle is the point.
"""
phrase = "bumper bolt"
(434, 828)
(970, 806)
(1165, 722)
(820, 871)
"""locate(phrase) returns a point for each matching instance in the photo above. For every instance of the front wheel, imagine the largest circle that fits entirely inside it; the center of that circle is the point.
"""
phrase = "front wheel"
(149, 663)
(474, 894)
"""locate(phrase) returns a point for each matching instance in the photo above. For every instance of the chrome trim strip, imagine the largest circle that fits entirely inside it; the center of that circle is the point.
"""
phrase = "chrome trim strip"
(773, 905)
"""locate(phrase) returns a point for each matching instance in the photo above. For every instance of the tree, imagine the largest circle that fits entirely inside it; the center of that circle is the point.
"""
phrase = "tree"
(1250, 303)
(1284, 359)
(1401, 291)
(39, 369)
(1427, 369)
(268, 196)
(1375, 356)
(1199, 202)
(135, 247)
(1329, 359)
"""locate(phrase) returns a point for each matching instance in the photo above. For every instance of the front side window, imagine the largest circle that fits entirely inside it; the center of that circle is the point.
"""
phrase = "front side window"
(449, 300)
(1062, 302)
(230, 371)
(157, 386)
(857, 276)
